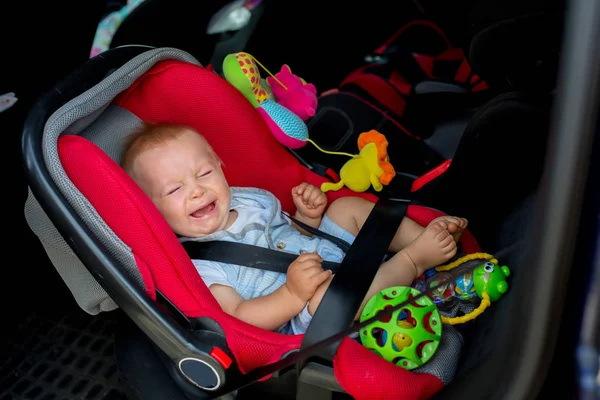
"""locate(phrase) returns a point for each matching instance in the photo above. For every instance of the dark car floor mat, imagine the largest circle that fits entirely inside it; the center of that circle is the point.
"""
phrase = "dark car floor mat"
(66, 357)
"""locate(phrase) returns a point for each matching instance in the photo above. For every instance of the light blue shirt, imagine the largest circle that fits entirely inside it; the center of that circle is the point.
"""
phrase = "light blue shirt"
(261, 223)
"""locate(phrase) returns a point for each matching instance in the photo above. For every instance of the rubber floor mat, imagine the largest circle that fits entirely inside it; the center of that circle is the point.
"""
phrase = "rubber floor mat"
(67, 357)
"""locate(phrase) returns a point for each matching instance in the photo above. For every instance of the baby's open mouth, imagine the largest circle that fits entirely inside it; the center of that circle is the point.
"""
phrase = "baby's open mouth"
(203, 211)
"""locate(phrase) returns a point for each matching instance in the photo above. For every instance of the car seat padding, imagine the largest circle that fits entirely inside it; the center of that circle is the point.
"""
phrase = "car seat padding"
(159, 256)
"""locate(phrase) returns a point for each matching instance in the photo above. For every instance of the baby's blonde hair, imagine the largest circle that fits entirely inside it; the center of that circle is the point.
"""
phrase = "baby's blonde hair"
(152, 135)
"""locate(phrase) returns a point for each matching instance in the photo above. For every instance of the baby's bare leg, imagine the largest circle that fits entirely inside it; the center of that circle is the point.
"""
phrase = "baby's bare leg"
(433, 247)
(351, 213)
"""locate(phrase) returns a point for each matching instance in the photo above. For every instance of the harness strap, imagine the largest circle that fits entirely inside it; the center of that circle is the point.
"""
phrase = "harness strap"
(246, 255)
(350, 285)
(255, 256)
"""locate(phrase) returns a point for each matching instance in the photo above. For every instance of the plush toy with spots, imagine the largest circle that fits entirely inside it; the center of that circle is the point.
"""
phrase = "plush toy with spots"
(241, 71)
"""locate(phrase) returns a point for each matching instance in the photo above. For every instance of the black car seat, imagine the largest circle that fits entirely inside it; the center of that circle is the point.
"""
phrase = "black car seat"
(514, 47)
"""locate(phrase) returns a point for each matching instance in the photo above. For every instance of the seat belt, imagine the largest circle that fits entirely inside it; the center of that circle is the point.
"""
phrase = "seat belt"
(350, 285)
(246, 255)
(255, 256)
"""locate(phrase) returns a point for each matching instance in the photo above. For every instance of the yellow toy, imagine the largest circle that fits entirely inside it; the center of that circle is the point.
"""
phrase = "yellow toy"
(371, 167)
(359, 173)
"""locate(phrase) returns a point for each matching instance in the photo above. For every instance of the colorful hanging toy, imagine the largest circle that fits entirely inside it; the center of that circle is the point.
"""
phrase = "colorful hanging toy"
(285, 101)
(411, 336)
(371, 167)
(484, 284)
(241, 70)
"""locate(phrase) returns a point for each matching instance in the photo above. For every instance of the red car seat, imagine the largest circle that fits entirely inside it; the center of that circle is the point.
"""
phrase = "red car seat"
(113, 248)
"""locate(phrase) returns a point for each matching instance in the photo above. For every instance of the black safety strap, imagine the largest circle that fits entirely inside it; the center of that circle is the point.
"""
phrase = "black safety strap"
(342, 244)
(246, 255)
(334, 318)
(346, 292)
(255, 256)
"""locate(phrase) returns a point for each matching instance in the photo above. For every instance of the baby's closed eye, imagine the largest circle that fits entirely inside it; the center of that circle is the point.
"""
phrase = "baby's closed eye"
(172, 190)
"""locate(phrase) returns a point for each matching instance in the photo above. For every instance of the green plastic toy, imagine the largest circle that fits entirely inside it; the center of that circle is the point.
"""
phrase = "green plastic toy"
(411, 336)
(491, 279)
(487, 282)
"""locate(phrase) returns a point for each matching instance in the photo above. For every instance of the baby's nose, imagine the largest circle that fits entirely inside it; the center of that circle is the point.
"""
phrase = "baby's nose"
(198, 191)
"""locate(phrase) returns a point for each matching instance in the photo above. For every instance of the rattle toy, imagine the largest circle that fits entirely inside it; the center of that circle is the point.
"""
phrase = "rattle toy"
(484, 284)
(241, 71)
(411, 336)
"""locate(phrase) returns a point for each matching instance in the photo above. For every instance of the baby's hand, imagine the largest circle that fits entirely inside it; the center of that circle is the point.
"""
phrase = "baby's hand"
(309, 200)
(305, 275)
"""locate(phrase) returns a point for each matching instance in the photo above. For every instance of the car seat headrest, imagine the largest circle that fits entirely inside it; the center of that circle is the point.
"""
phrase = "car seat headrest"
(516, 45)
(110, 130)
(85, 114)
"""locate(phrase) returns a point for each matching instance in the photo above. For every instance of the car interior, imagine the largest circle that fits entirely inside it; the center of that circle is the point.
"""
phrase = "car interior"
(489, 111)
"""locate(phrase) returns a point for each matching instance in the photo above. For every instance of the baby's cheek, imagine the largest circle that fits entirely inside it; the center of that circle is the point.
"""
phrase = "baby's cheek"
(171, 219)
(172, 211)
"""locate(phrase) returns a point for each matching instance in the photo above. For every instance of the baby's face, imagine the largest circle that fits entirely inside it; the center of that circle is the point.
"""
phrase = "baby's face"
(186, 183)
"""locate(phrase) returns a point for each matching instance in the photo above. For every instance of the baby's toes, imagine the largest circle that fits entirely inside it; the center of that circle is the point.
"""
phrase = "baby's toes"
(451, 249)
(453, 227)
(444, 238)
(454, 224)
(437, 227)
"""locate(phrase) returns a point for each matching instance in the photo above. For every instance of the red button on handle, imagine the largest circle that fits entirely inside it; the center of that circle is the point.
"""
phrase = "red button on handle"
(221, 357)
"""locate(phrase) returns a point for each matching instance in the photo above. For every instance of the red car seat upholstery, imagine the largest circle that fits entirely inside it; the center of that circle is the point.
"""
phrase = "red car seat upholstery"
(184, 92)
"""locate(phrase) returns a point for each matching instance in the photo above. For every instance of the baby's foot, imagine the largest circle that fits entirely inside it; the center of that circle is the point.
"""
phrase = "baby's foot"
(456, 225)
(433, 247)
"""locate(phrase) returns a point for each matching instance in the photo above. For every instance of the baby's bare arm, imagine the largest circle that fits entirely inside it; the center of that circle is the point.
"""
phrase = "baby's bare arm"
(267, 312)
(310, 204)
(313, 222)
